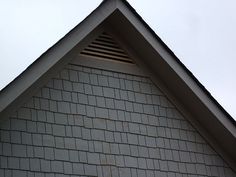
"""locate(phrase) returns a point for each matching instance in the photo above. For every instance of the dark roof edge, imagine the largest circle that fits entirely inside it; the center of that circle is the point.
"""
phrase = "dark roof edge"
(154, 35)
(48, 50)
(180, 63)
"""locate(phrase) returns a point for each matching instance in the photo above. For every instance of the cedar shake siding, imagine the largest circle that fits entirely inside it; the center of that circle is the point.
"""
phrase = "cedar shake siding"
(94, 122)
(110, 99)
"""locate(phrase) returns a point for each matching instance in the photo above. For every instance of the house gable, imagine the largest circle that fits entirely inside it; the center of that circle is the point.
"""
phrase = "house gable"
(90, 121)
(154, 62)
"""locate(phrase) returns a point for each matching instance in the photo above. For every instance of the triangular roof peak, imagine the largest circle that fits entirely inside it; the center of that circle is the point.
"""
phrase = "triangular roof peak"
(121, 19)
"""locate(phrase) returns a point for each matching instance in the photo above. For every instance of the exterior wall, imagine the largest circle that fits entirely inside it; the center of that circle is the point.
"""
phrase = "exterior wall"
(92, 122)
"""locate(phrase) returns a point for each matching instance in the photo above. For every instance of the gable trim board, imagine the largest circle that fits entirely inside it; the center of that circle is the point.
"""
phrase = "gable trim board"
(153, 55)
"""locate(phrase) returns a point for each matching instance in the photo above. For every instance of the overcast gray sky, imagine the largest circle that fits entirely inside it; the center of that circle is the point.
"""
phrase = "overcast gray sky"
(201, 33)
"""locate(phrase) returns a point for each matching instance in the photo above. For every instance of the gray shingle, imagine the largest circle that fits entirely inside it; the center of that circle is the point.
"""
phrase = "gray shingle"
(58, 130)
(97, 90)
(150, 142)
(57, 166)
(119, 126)
(30, 151)
(99, 123)
(98, 146)
(38, 152)
(82, 144)
(142, 140)
(76, 131)
(182, 167)
(78, 87)
(163, 165)
(201, 169)
(93, 79)
(83, 157)
(119, 104)
(101, 112)
(86, 133)
(109, 137)
(69, 143)
(63, 107)
(67, 85)
(92, 100)
(83, 77)
(59, 141)
(68, 168)
(17, 124)
(113, 82)
(45, 165)
(117, 137)
(81, 109)
(90, 111)
(73, 76)
(34, 164)
(61, 154)
(110, 129)
(24, 164)
(102, 80)
(40, 127)
(55, 94)
(68, 131)
(88, 89)
(124, 149)
(49, 153)
(24, 113)
(191, 168)
(60, 118)
(141, 173)
(90, 170)
(73, 156)
(57, 83)
(37, 139)
(82, 98)
(114, 148)
(110, 125)
(123, 95)
(135, 117)
(93, 158)
(64, 74)
(142, 163)
(143, 151)
(138, 107)
(6, 149)
(132, 138)
(19, 173)
(3, 162)
(5, 136)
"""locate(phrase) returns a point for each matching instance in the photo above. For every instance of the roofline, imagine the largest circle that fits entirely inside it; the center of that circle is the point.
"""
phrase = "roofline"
(49, 49)
(179, 62)
(154, 35)
(6, 99)
(35, 75)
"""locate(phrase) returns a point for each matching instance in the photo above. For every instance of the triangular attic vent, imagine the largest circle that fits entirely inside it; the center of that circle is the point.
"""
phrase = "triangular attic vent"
(105, 47)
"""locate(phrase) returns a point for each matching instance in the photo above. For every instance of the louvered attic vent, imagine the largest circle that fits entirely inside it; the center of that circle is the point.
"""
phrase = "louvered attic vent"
(105, 47)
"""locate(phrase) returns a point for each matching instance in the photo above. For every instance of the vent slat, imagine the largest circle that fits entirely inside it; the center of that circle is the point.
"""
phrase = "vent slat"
(105, 44)
(107, 51)
(104, 34)
(105, 47)
(105, 39)
(105, 55)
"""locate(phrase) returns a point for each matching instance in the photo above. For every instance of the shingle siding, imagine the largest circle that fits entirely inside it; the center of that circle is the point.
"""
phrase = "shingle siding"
(92, 122)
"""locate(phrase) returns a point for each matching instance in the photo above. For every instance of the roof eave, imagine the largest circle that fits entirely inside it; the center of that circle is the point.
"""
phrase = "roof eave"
(25, 83)
(161, 60)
